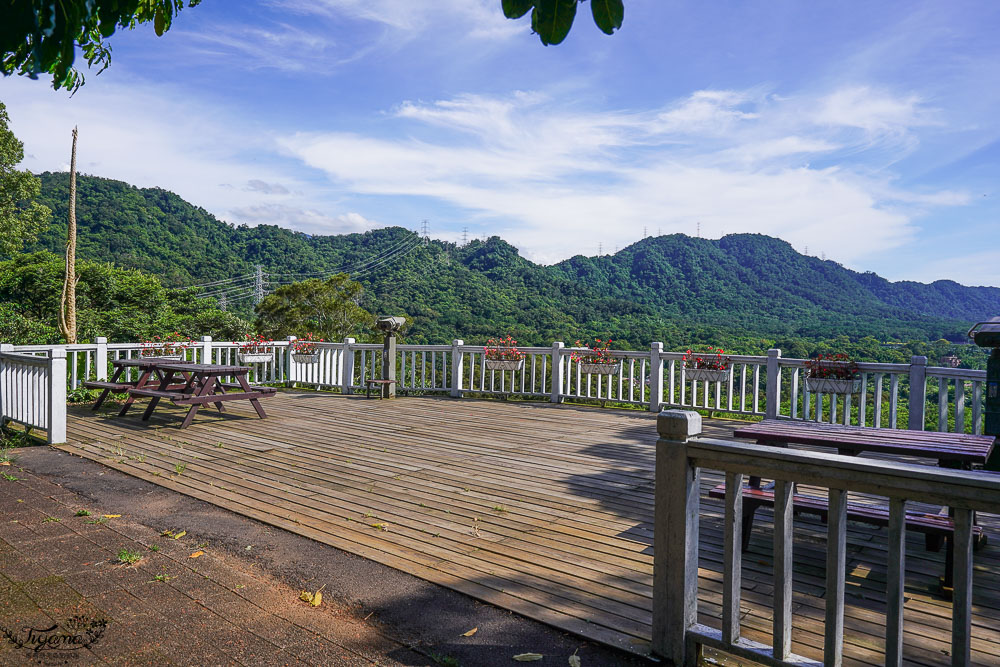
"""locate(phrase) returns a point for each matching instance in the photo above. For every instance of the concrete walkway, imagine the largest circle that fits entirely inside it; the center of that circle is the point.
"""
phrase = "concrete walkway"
(65, 598)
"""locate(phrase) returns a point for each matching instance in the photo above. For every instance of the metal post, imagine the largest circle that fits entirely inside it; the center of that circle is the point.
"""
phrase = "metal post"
(457, 368)
(655, 377)
(101, 359)
(675, 536)
(918, 393)
(57, 397)
(557, 373)
(773, 390)
(389, 365)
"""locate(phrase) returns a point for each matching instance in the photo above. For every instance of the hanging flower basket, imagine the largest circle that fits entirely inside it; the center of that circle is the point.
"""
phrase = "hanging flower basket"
(832, 386)
(599, 369)
(305, 357)
(505, 364)
(706, 374)
(255, 357)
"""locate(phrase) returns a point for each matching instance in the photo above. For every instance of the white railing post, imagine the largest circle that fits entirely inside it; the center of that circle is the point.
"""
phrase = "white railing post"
(655, 377)
(101, 359)
(918, 393)
(5, 385)
(675, 536)
(347, 379)
(206, 349)
(557, 373)
(457, 368)
(773, 395)
(56, 418)
(289, 364)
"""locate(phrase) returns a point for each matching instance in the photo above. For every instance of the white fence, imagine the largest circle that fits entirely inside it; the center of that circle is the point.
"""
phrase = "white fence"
(679, 461)
(33, 391)
(912, 395)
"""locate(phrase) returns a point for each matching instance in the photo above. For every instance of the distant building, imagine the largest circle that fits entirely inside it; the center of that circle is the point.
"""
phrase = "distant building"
(950, 360)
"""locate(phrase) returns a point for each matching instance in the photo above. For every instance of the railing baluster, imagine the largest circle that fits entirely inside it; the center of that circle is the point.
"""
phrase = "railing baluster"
(961, 612)
(756, 388)
(977, 407)
(733, 556)
(896, 578)
(783, 541)
(942, 404)
(863, 401)
(877, 422)
(894, 401)
(959, 405)
(836, 565)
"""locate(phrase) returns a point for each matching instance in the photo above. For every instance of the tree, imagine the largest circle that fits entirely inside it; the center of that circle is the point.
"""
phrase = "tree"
(67, 304)
(327, 308)
(552, 19)
(21, 218)
(41, 36)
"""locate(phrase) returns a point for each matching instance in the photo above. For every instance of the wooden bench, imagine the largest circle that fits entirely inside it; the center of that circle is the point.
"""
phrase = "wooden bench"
(113, 386)
(235, 387)
(935, 527)
(371, 383)
(157, 393)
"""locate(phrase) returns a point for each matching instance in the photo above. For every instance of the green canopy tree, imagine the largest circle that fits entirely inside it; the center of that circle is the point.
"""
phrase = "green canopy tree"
(41, 36)
(21, 218)
(327, 308)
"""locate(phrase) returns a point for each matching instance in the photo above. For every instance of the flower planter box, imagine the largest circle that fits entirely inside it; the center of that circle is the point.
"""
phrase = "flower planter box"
(705, 374)
(832, 386)
(305, 357)
(165, 357)
(505, 364)
(255, 357)
(599, 369)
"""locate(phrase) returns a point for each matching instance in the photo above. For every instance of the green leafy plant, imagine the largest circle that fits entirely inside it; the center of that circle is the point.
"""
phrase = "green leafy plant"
(179, 468)
(503, 349)
(306, 344)
(128, 557)
(598, 353)
(836, 366)
(82, 513)
(710, 360)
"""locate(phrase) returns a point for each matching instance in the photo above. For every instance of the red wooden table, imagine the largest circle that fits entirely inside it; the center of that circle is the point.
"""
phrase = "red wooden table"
(204, 385)
(148, 374)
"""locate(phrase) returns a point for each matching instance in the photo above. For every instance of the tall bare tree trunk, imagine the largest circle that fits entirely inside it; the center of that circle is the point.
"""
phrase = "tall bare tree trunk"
(67, 304)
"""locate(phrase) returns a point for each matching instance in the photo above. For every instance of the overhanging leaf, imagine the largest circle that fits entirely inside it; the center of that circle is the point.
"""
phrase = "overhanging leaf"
(515, 9)
(552, 20)
(608, 14)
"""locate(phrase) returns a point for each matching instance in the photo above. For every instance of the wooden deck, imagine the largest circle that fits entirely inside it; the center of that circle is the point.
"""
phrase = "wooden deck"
(541, 509)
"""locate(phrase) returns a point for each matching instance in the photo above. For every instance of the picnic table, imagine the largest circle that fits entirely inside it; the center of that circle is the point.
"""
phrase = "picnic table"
(149, 373)
(950, 450)
(204, 385)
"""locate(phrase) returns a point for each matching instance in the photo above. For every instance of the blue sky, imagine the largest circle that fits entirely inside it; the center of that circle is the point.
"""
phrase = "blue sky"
(867, 132)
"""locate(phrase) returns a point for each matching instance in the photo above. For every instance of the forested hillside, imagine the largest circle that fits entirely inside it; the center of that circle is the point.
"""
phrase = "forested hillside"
(744, 290)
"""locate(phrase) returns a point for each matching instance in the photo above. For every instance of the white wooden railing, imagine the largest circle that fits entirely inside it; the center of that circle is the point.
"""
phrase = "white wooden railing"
(677, 635)
(33, 391)
(913, 395)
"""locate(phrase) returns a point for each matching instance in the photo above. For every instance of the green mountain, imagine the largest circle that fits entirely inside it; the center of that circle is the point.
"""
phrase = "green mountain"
(745, 290)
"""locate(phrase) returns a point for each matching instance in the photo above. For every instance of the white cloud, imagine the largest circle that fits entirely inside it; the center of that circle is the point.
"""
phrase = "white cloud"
(560, 181)
(306, 220)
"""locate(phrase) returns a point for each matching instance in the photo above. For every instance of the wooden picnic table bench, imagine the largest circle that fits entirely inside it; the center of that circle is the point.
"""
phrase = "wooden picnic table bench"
(148, 374)
(950, 450)
(203, 386)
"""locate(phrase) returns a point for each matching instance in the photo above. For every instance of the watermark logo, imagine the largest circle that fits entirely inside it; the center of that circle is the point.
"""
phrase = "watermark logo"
(70, 635)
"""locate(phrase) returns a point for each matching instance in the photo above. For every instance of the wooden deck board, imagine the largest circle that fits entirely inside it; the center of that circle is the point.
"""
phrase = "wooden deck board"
(544, 510)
